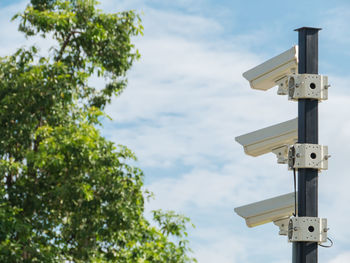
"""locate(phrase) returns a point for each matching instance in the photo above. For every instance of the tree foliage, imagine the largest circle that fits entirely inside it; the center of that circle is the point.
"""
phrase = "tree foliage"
(67, 194)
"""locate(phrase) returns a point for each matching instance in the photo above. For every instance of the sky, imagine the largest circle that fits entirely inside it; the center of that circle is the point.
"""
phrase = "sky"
(186, 101)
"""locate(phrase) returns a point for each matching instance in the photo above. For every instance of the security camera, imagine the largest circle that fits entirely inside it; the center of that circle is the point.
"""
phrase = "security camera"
(277, 209)
(273, 71)
(275, 138)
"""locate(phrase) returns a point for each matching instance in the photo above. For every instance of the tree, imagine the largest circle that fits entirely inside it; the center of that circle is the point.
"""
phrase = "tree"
(67, 194)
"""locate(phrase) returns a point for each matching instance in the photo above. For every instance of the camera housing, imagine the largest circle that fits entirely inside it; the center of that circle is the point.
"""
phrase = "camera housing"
(270, 138)
(269, 74)
(269, 210)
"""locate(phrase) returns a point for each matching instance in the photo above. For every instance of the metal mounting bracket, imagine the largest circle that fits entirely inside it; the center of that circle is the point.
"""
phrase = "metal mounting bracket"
(283, 226)
(282, 86)
(306, 155)
(281, 154)
(307, 229)
(307, 86)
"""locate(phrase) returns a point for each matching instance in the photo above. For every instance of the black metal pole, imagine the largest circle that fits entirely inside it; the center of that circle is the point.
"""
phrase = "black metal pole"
(306, 252)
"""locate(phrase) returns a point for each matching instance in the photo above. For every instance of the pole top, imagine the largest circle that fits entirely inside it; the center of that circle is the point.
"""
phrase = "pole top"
(307, 28)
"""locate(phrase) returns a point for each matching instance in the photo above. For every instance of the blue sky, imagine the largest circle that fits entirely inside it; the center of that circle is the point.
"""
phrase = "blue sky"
(187, 100)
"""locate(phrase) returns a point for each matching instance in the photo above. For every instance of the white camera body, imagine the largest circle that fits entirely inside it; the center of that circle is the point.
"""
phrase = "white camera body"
(268, 74)
(270, 210)
(270, 138)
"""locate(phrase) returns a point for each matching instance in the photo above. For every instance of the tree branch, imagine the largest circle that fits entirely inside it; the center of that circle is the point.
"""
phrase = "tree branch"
(65, 43)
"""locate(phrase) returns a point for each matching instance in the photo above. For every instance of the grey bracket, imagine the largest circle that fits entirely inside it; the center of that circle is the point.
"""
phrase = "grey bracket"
(283, 226)
(307, 86)
(307, 229)
(281, 154)
(282, 86)
(306, 155)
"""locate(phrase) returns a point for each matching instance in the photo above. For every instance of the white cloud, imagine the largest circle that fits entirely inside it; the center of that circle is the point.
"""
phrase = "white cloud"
(232, 244)
(13, 38)
(336, 20)
(199, 189)
(189, 94)
(342, 258)
(224, 250)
